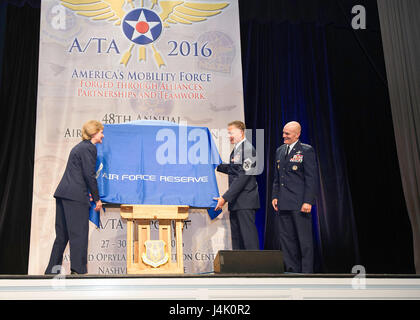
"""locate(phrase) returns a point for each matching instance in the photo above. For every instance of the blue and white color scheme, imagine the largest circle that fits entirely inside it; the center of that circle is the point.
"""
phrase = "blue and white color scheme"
(142, 26)
(128, 171)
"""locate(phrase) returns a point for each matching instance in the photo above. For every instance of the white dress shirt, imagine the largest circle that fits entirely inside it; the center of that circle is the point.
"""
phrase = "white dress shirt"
(239, 143)
(291, 146)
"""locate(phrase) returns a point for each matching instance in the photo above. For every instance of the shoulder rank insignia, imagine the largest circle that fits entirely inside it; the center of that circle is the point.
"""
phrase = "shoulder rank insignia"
(247, 164)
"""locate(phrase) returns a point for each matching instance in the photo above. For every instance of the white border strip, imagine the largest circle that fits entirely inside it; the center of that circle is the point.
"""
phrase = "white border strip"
(208, 288)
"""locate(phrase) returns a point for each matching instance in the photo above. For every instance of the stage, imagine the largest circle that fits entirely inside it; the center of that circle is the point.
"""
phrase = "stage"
(211, 287)
(158, 112)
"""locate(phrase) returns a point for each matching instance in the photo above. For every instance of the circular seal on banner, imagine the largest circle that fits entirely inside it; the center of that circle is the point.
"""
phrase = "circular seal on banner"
(223, 49)
(142, 26)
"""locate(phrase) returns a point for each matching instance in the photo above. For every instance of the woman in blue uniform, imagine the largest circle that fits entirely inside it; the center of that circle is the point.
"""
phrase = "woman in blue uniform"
(72, 201)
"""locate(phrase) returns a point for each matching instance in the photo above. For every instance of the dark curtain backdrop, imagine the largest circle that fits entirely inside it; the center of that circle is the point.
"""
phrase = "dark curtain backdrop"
(19, 84)
(363, 111)
(21, 3)
(287, 77)
(301, 61)
(300, 89)
(400, 25)
(3, 11)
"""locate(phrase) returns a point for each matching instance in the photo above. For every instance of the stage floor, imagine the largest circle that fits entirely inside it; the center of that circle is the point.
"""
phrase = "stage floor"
(211, 286)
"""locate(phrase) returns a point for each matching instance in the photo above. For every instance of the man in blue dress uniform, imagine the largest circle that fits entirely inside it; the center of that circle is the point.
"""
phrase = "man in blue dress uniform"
(294, 190)
(242, 195)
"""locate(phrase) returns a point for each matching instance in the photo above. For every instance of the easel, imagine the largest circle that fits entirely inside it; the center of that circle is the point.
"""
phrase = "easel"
(146, 256)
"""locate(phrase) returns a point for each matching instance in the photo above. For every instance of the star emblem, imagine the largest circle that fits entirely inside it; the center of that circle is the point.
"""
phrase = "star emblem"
(142, 26)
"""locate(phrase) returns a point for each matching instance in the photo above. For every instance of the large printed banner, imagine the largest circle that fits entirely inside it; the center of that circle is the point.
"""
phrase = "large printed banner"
(119, 61)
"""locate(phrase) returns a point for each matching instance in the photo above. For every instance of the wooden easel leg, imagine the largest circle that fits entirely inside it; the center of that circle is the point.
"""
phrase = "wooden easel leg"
(129, 244)
(165, 235)
(179, 244)
(144, 235)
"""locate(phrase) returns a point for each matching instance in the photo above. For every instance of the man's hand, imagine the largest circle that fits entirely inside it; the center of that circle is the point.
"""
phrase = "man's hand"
(98, 205)
(220, 203)
(306, 207)
(274, 203)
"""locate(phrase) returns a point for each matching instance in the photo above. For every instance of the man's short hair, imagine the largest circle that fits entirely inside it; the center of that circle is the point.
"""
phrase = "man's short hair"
(238, 124)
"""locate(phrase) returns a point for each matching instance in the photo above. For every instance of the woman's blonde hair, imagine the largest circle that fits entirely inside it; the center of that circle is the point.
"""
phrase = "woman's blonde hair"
(91, 128)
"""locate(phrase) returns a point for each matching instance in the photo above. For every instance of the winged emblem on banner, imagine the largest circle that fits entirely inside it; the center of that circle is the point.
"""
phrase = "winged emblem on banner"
(143, 26)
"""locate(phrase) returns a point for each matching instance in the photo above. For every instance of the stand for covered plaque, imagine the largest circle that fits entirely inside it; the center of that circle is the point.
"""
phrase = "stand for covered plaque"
(147, 256)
